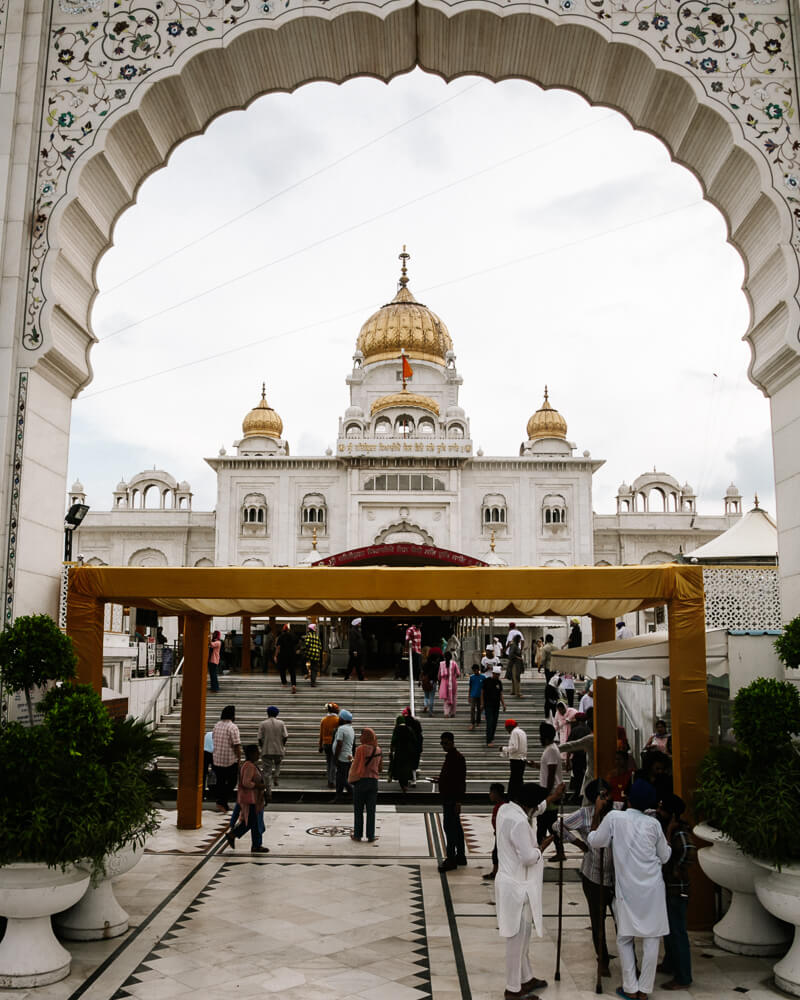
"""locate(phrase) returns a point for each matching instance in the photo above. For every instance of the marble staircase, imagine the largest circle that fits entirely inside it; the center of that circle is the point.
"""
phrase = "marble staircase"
(374, 703)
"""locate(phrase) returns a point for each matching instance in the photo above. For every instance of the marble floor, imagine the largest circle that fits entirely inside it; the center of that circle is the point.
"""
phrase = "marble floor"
(323, 918)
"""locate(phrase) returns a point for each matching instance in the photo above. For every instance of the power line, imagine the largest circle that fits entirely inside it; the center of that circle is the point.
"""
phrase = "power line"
(291, 187)
(349, 229)
(362, 309)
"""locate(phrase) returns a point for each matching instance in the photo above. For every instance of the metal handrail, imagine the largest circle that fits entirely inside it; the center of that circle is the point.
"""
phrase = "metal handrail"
(627, 721)
(152, 707)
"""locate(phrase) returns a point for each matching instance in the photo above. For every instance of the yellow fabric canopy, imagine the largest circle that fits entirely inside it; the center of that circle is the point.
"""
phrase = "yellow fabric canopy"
(604, 592)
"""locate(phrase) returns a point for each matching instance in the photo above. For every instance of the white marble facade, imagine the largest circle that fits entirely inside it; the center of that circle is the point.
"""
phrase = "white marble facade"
(404, 470)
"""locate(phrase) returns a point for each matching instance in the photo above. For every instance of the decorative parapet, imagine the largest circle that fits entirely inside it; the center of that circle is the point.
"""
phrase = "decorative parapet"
(742, 598)
(737, 54)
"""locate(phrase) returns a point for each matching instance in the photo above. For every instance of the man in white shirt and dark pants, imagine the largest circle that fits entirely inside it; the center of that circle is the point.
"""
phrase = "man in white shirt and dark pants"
(640, 849)
(517, 753)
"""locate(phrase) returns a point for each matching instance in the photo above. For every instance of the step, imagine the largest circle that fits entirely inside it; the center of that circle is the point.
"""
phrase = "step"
(375, 703)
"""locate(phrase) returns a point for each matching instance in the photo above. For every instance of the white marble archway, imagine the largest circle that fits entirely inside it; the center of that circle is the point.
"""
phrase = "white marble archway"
(123, 87)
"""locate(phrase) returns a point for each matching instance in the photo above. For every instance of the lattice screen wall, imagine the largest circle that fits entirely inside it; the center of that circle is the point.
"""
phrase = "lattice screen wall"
(746, 598)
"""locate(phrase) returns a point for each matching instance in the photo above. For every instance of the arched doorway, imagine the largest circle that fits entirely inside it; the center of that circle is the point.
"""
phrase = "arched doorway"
(160, 75)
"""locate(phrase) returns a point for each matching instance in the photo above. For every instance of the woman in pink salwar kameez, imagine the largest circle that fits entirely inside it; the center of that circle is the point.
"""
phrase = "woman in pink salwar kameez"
(448, 683)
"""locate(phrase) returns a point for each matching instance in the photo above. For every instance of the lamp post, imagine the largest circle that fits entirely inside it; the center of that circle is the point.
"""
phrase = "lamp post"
(75, 515)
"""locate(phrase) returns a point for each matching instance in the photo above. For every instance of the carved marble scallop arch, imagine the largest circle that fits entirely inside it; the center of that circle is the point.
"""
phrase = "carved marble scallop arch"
(130, 79)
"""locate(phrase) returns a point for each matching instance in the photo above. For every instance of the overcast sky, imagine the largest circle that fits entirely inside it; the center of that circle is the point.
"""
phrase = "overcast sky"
(558, 245)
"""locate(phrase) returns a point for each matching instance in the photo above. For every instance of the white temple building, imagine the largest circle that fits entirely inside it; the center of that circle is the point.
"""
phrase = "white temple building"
(404, 484)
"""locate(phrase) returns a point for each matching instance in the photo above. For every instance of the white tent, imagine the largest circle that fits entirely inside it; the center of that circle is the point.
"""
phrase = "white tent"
(643, 656)
(754, 537)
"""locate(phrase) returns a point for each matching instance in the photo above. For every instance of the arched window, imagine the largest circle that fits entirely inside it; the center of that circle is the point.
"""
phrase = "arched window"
(554, 511)
(426, 426)
(383, 427)
(352, 431)
(254, 514)
(313, 514)
(404, 426)
(455, 430)
(494, 511)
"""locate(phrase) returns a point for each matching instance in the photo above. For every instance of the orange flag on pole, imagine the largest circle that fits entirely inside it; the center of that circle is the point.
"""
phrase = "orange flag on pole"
(408, 371)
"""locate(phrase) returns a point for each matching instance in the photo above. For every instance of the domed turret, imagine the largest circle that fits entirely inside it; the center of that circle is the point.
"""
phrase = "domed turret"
(77, 487)
(262, 420)
(404, 324)
(546, 422)
(405, 399)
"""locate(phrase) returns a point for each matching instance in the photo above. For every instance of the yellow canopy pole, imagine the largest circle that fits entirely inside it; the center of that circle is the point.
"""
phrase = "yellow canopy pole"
(246, 644)
(193, 719)
(85, 628)
(689, 709)
(605, 706)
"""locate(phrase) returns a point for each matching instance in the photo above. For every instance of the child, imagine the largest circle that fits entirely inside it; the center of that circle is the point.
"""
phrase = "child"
(497, 796)
(475, 688)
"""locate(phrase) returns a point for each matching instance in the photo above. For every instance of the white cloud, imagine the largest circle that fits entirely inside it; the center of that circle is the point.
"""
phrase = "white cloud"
(567, 260)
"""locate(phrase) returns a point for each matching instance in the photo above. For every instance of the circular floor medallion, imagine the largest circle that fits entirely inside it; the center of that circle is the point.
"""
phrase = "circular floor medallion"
(330, 831)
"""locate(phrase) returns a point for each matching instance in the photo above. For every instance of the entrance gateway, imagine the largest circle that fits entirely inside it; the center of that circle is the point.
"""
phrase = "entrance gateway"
(604, 593)
(97, 95)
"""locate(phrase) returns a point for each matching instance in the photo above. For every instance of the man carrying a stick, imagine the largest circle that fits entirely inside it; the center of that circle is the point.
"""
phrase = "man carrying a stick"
(597, 867)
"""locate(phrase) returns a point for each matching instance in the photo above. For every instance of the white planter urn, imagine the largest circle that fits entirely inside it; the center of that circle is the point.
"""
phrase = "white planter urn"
(30, 894)
(747, 928)
(98, 915)
(779, 892)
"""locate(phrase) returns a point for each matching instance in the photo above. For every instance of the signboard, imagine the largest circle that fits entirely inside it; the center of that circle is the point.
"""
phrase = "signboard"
(401, 553)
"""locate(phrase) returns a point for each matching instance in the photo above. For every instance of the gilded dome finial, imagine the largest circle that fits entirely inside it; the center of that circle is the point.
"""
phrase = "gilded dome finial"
(403, 257)
(546, 422)
(262, 420)
(756, 501)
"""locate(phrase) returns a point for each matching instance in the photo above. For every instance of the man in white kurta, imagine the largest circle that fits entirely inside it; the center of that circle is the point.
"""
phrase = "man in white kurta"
(518, 887)
(640, 849)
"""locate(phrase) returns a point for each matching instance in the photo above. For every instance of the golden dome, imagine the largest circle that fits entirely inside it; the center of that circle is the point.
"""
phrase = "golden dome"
(546, 422)
(404, 399)
(262, 420)
(405, 324)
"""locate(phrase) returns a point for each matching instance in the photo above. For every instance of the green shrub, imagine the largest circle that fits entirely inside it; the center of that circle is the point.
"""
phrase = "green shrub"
(765, 715)
(80, 785)
(34, 651)
(787, 646)
(752, 792)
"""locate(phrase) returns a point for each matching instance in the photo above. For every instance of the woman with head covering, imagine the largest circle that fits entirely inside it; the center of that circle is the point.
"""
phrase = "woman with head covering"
(448, 684)
(518, 886)
(562, 720)
(416, 728)
(363, 777)
(403, 753)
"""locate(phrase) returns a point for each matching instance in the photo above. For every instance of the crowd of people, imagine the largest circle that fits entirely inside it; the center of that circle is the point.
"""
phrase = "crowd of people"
(628, 824)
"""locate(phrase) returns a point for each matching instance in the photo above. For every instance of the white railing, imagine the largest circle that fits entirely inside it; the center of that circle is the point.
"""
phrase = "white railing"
(411, 680)
(635, 737)
(160, 706)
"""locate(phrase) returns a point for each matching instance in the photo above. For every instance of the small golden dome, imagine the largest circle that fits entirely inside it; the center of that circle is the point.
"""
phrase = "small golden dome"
(404, 399)
(405, 324)
(546, 422)
(262, 420)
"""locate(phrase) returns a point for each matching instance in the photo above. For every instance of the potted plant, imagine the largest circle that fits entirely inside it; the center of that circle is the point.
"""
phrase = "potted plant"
(749, 796)
(72, 794)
